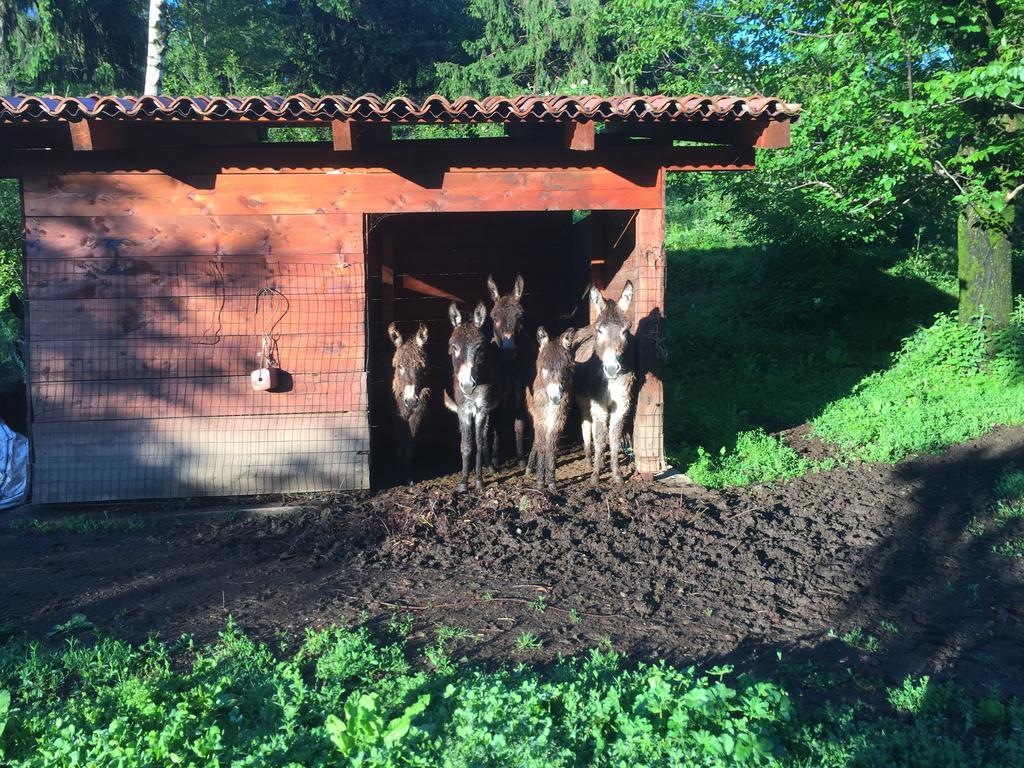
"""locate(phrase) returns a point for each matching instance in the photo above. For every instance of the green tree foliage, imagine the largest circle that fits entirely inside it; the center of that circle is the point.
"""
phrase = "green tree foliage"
(310, 46)
(675, 46)
(72, 46)
(531, 46)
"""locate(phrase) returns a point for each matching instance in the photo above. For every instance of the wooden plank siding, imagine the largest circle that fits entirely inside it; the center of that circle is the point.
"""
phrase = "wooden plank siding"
(143, 331)
(381, 191)
(198, 456)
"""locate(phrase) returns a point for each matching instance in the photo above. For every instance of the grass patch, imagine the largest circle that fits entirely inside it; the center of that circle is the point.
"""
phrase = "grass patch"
(762, 338)
(78, 524)
(340, 697)
(757, 458)
(942, 388)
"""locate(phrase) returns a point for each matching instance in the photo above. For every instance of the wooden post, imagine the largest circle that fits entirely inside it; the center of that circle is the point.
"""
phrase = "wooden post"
(349, 136)
(88, 135)
(649, 314)
(579, 136)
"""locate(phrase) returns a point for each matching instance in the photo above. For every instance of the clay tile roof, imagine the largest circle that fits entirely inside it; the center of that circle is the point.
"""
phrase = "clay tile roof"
(371, 108)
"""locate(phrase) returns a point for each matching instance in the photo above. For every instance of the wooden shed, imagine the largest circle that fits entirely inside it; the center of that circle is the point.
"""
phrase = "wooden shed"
(154, 224)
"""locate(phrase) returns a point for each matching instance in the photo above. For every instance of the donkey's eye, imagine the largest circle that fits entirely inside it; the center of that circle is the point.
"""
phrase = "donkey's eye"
(401, 368)
(622, 333)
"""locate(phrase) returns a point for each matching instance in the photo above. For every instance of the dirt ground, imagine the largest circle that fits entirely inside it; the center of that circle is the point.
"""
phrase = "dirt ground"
(682, 573)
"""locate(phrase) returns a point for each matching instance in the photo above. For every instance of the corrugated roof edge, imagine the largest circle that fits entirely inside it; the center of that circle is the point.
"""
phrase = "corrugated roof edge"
(372, 108)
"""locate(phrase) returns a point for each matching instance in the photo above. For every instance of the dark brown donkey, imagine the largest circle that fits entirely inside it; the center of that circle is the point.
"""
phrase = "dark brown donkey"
(515, 362)
(549, 403)
(473, 381)
(604, 379)
(411, 394)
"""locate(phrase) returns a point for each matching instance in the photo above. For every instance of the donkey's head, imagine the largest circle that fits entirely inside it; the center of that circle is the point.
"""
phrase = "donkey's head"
(410, 364)
(506, 317)
(554, 364)
(611, 330)
(467, 346)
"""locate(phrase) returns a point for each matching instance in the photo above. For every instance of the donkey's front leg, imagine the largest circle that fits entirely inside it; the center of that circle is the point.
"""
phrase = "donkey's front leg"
(551, 451)
(617, 418)
(599, 425)
(466, 431)
(531, 463)
(585, 428)
(491, 439)
(480, 422)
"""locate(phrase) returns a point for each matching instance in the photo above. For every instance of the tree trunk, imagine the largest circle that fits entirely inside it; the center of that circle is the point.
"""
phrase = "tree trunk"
(155, 48)
(983, 258)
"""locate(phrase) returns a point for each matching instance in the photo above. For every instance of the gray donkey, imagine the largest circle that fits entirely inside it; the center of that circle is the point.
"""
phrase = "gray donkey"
(515, 361)
(548, 402)
(474, 382)
(604, 379)
(410, 393)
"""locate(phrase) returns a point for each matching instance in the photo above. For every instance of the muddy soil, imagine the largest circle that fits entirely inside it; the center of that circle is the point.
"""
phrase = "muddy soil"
(681, 573)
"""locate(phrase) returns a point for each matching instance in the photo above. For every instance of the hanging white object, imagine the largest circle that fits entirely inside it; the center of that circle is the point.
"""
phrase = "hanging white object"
(13, 467)
(264, 379)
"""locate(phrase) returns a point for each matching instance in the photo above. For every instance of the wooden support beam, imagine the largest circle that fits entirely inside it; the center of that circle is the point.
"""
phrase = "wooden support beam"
(428, 155)
(349, 136)
(763, 134)
(89, 135)
(649, 315)
(579, 136)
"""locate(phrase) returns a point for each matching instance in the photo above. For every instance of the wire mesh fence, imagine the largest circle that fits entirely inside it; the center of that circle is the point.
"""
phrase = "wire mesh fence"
(141, 377)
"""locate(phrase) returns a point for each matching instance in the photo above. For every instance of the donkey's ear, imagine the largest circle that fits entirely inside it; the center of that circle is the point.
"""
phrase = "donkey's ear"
(542, 336)
(596, 299)
(517, 289)
(566, 339)
(627, 296)
(454, 315)
(394, 335)
(479, 314)
(492, 288)
(421, 336)
(583, 340)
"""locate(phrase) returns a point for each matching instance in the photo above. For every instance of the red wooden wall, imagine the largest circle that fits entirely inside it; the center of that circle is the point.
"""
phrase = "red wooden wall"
(143, 331)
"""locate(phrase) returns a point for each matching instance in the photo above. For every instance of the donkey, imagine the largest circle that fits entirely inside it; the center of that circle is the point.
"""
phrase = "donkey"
(411, 396)
(549, 403)
(604, 381)
(474, 383)
(515, 362)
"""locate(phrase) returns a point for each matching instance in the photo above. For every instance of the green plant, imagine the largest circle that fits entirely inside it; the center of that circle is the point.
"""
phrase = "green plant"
(527, 641)
(362, 734)
(1010, 485)
(77, 623)
(400, 627)
(890, 627)
(757, 458)
(942, 387)
(338, 696)
(1010, 548)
